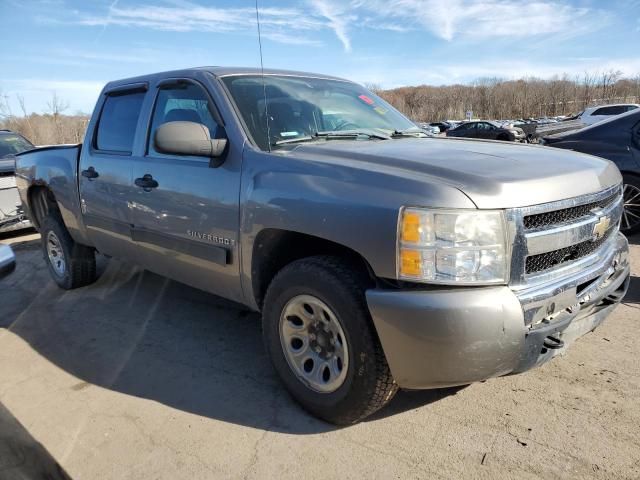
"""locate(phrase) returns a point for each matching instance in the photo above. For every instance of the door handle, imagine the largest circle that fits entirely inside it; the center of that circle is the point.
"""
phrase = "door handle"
(90, 173)
(146, 182)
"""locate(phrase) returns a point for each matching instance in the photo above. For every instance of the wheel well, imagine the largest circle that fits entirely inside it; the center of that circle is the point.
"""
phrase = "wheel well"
(273, 249)
(41, 203)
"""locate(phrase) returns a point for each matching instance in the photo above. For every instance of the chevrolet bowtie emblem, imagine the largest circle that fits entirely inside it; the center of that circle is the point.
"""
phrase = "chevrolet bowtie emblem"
(600, 228)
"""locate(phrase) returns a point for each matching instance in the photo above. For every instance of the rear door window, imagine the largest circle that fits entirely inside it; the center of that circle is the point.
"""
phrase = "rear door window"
(118, 122)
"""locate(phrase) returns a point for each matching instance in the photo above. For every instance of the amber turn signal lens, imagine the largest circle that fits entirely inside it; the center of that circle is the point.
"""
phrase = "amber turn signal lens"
(410, 227)
(410, 263)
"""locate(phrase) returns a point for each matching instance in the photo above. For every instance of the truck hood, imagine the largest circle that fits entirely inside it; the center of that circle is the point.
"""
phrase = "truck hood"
(492, 174)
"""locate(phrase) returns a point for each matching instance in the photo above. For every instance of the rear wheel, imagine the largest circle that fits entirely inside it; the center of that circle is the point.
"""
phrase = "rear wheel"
(630, 222)
(71, 265)
(322, 343)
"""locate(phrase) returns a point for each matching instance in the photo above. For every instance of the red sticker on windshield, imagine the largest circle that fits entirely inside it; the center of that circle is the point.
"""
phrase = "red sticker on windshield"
(366, 99)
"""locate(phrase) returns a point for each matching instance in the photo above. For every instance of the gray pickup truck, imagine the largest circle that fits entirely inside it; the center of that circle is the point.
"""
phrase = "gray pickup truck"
(379, 258)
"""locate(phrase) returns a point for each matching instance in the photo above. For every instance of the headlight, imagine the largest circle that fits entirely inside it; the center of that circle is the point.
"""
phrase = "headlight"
(452, 246)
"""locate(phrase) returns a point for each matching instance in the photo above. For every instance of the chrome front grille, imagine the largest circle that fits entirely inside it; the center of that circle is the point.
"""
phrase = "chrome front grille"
(556, 217)
(559, 238)
(545, 261)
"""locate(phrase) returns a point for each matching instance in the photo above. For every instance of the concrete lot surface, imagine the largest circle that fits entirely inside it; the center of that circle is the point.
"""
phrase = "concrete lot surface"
(140, 377)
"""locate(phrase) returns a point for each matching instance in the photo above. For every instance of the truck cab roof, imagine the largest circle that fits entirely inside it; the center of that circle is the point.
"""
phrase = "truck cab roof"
(218, 71)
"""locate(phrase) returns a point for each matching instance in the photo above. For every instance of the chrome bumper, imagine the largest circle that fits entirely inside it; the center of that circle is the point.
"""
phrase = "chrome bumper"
(454, 336)
(546, 302)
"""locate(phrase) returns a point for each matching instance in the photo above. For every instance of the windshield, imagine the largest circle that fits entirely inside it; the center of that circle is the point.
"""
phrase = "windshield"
(302, 107)
(11, 144)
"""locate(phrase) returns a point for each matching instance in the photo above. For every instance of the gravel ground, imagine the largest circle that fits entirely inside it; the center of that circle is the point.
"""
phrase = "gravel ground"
(141, 377)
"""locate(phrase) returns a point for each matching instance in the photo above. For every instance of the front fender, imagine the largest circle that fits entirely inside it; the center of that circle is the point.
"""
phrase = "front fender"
(353, 207)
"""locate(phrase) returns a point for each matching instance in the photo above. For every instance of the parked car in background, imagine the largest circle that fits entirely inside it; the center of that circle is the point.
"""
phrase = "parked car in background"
(593, 115)
(618, 140)
(429, 129)
(11, 214)
(488, 130)
(442, 126)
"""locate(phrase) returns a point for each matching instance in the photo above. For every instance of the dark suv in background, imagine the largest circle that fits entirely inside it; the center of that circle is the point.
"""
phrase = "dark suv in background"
(618, 140)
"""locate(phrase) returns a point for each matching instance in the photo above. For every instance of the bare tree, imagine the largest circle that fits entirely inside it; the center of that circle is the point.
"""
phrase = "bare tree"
(512, 99)
(56, 106)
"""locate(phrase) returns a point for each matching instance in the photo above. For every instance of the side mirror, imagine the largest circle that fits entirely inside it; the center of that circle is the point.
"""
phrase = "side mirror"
(188, 138)
(7, 260)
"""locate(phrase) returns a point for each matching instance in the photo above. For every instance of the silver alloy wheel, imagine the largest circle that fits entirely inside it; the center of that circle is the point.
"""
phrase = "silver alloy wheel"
(56, 254)
(631, 213)
(314, 343)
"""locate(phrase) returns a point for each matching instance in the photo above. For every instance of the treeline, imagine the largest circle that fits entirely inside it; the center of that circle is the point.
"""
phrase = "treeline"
(50, 128)
(494, 98)
(489, 98)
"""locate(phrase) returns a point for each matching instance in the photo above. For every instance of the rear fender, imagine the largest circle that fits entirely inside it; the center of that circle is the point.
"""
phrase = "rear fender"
(56, 170)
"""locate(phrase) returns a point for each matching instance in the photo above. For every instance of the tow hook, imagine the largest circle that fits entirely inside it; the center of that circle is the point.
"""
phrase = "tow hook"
(553, 343)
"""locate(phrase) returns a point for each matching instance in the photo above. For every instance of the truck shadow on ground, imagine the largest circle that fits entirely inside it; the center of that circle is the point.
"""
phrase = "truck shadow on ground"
(22, 456)
(143, 335)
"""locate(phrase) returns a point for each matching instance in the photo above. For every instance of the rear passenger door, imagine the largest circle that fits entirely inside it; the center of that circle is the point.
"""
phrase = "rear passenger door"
(471, 131)
(186, 226)
(484, 130)
(105, 170)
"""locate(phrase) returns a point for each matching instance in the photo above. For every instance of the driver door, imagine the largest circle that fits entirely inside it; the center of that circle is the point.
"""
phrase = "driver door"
(186, 215)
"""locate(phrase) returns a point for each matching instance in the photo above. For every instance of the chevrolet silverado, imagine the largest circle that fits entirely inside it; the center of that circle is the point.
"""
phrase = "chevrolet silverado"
(380, 258)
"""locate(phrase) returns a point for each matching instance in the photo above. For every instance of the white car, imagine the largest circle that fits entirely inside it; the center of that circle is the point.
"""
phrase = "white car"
(592, 115)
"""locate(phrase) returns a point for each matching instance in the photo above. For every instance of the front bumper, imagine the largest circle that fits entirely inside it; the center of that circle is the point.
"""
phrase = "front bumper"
(455, 336)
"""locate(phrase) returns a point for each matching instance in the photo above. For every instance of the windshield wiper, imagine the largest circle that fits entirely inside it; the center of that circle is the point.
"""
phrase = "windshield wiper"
(408, 133)
(293, 140)
(335, 134)
(353, 133)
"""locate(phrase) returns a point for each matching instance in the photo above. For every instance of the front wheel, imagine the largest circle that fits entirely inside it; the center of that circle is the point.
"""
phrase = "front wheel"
(319, 335)
(630, 222)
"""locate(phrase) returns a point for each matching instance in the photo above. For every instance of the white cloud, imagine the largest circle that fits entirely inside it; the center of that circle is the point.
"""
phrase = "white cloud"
(450, 20)
(276, 23)
(338, 19)
(478, 19)
(460, 19)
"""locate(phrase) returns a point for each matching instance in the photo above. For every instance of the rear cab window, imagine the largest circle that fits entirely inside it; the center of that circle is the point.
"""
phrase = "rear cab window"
(613, 110)
(118, 121)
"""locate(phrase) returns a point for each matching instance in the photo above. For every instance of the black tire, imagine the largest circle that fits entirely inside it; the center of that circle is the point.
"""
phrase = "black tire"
(368, 385)
(79, 260)
(630, 223)
(503, 137)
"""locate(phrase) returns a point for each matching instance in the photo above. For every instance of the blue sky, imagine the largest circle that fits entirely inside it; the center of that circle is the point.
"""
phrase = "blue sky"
(73, 47)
